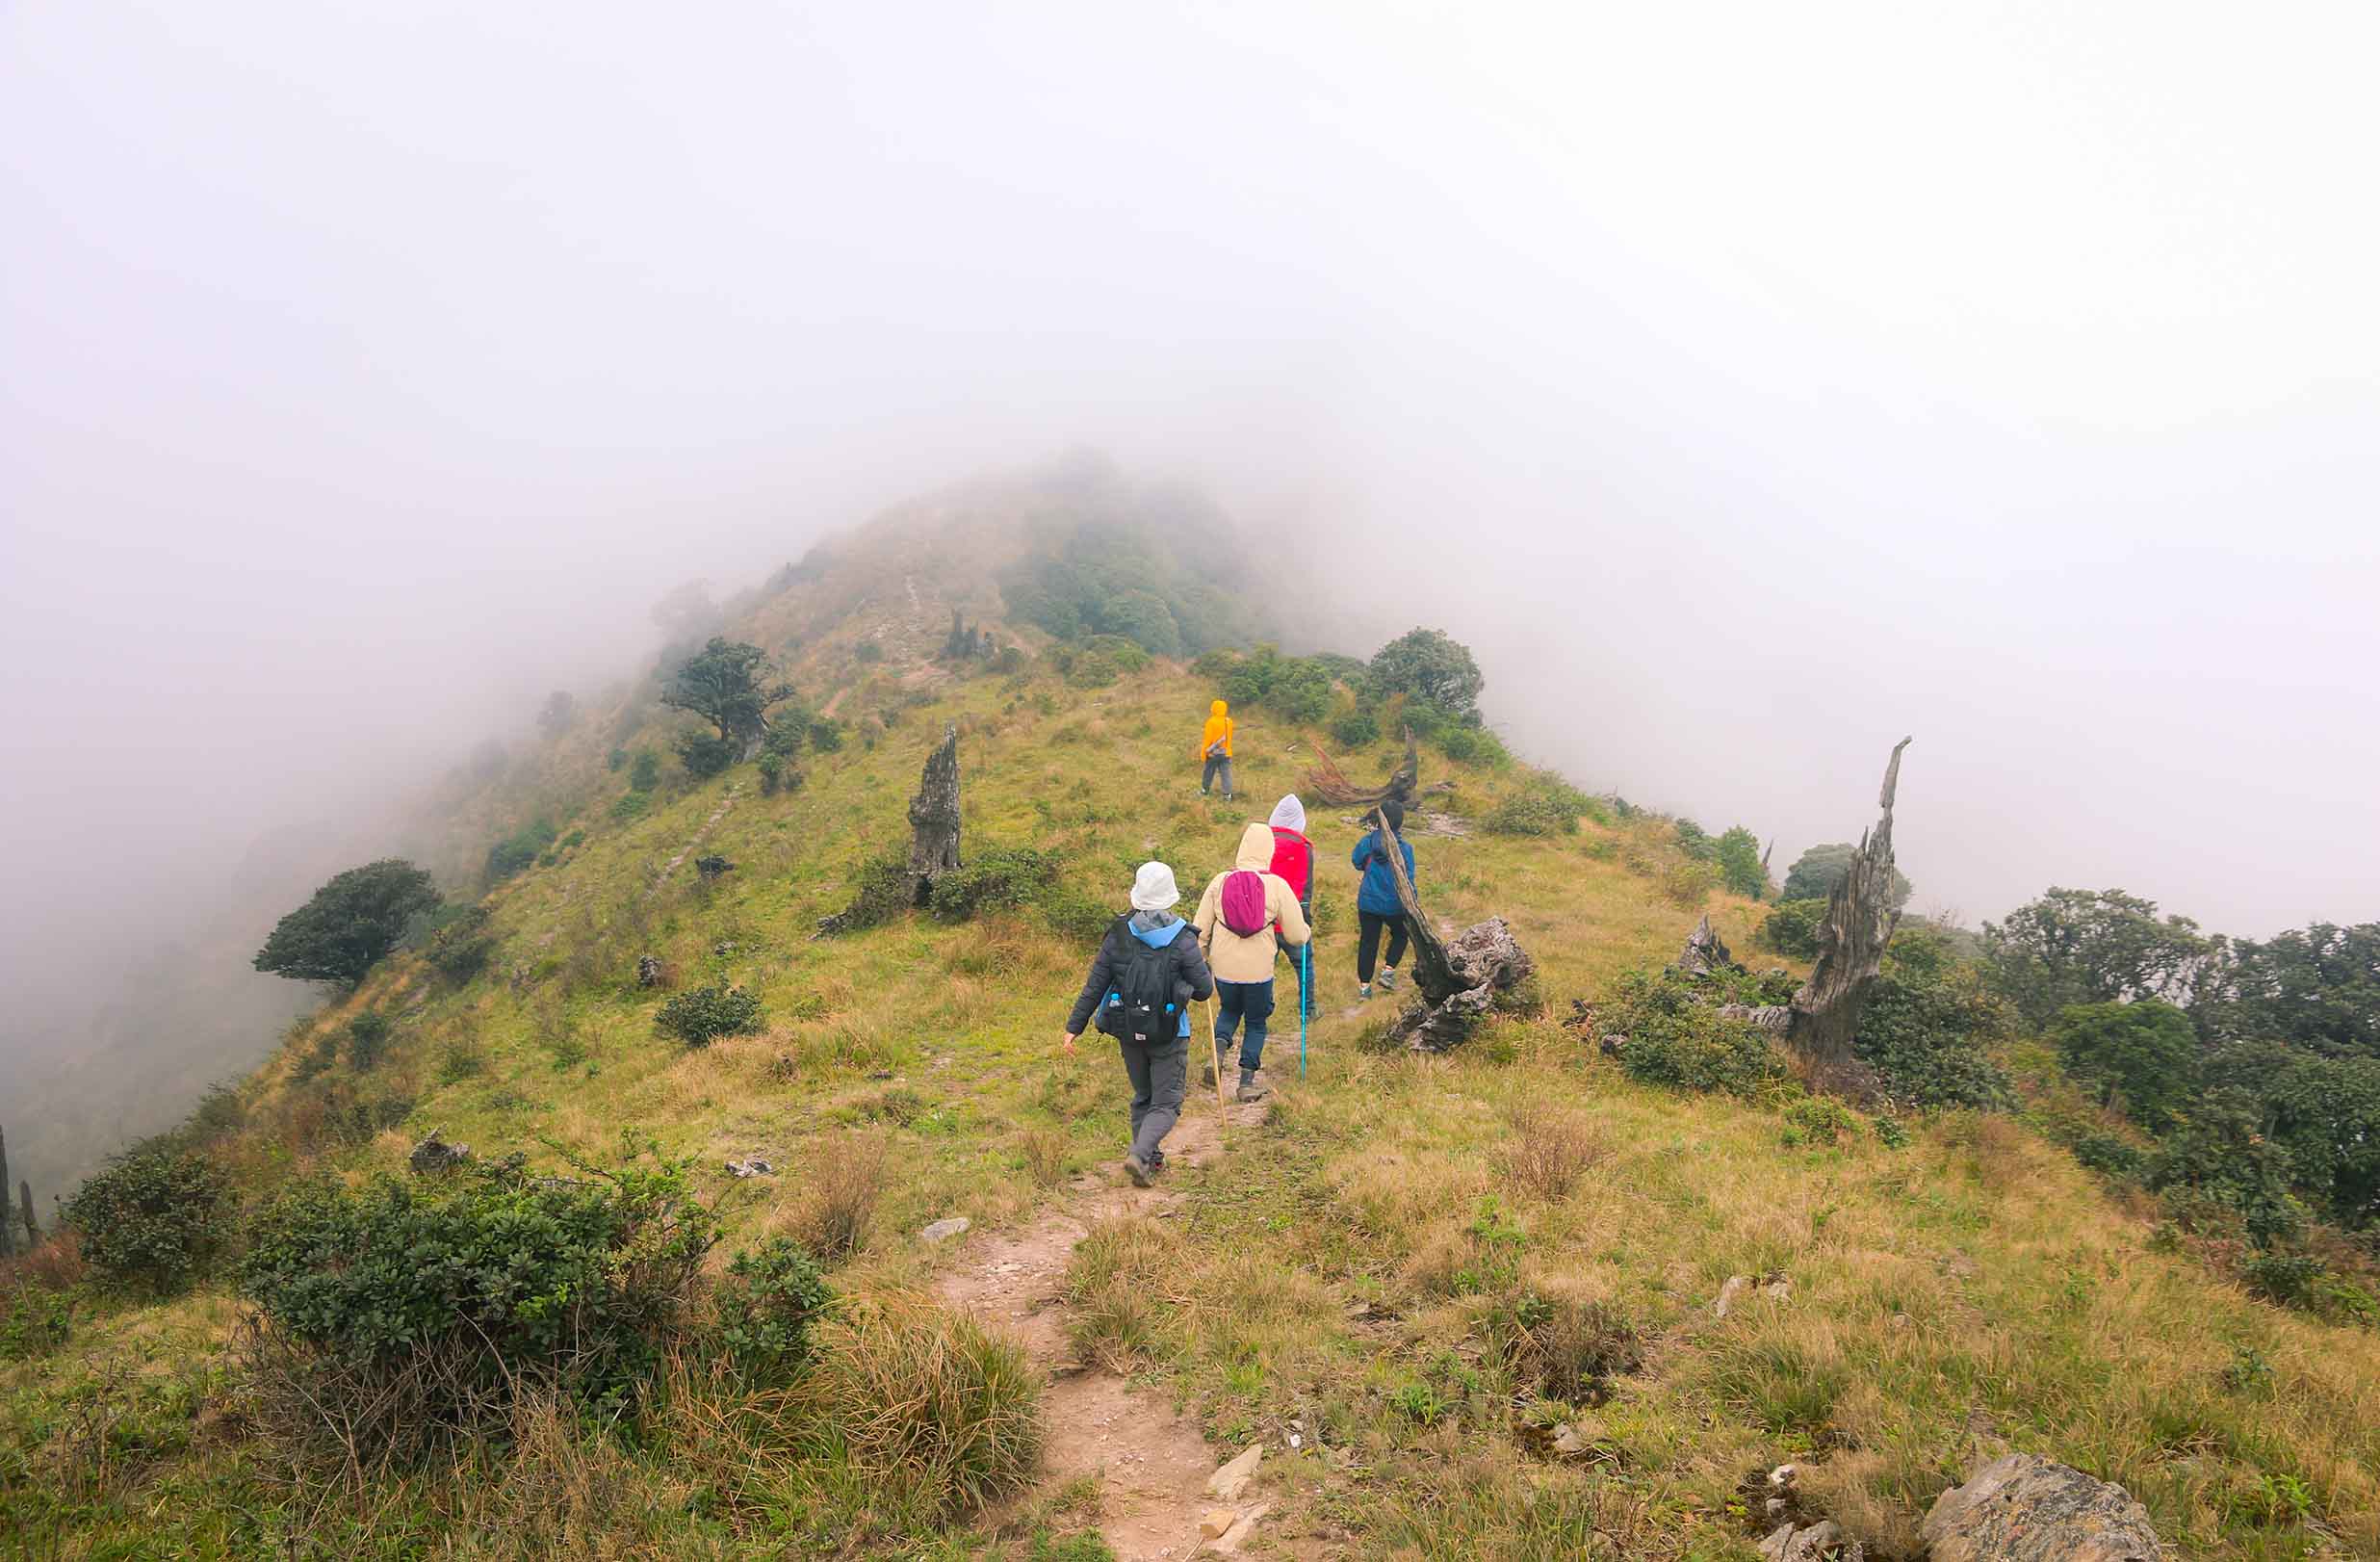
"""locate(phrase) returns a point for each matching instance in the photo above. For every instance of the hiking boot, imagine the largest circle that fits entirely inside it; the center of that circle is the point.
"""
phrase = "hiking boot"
(1250, 1089)
(1389, 978)
(1208, 1072)
(1157, 1160)
(1364, 991)
(1142, 1173)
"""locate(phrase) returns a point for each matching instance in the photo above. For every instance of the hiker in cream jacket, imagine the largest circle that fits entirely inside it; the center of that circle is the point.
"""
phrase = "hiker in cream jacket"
(1242, 963)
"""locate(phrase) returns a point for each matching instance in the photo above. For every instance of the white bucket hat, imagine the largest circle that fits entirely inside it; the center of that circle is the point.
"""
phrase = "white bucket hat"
(1152, 888)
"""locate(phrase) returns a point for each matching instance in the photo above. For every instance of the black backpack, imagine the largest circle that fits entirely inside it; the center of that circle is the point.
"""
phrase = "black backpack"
(1140, 1006)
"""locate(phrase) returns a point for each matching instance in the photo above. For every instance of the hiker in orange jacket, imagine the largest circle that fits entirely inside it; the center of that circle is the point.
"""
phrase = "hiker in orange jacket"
(1235, 920)
(1215, 747)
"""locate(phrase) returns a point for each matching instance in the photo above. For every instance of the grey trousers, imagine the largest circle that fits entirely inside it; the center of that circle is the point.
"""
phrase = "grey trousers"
(1216, 765)
(1158, 1073)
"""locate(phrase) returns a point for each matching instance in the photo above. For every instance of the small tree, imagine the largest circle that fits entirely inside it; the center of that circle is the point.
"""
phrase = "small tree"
(2091, 946)
(1430, 664)
(2147, 1053)
(1816, 872)
(1737, 856)
(731, 684)
(646, 773)
(149, 1220)
(704, 756)
(349, 924)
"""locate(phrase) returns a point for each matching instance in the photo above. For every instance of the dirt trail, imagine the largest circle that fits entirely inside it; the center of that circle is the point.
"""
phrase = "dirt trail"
(1152, 1463)
(670, 867)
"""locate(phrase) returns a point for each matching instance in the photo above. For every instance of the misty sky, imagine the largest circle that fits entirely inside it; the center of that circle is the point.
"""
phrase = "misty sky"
(1794, 377)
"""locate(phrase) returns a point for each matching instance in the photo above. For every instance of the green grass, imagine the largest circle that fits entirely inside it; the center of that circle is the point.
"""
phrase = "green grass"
(1971, 1289)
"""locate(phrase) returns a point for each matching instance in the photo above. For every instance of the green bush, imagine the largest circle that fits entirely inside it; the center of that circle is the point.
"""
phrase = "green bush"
(2109, 1156)
(1677, 1040)
(1002, 878)
(33, 1321)
(2145, 1054)
(459, 947)
(826, 735)
(150, 1220)
(701, 1017)
(1791, 928)
(1476, 746)
(1548, 806)
(869, 651)
(1356, 729)
(766, 1306)
(629, 806)
(1926, 1034)
(2217, 1159)
(516, 851)
(705, 754)
(615, 760)
(777, 775)
(787, 733)
(1820, 1120)
(644, 773)
(408, 1316)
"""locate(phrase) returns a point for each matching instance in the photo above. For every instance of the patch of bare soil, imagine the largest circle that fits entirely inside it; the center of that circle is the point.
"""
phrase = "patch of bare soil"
(1151, 1460)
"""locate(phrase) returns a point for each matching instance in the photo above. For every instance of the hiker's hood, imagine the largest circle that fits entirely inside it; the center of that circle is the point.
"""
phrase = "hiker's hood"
(1255, 850)
(1288, 813)
(1219, 709)
(1154, 888)
(1156, 928)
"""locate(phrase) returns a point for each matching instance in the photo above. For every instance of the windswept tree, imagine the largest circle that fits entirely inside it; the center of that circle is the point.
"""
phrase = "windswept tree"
(1816, 872)
(349, 924)
(731, 684)
(1430, 664)
(2092, 946)
(2314, 987)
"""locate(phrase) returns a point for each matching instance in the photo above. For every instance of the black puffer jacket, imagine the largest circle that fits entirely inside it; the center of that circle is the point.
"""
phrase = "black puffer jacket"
(1193, 982)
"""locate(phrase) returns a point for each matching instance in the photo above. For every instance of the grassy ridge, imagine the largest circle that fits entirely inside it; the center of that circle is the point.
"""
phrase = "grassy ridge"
(1387, 1262)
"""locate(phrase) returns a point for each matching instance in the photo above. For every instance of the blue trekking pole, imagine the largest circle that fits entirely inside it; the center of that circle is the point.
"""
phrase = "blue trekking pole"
(1306, 985)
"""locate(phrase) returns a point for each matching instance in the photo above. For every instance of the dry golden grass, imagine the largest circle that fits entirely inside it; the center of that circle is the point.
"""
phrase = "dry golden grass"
(842, 1182)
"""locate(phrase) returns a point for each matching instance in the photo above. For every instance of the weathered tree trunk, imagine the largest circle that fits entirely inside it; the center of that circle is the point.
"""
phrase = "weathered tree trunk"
(1325, 783)
(33, 1226)
(1705, 955)
(934, 816)
(933, 848)
(1860, 920)
(6, 1245)
(1457, 984)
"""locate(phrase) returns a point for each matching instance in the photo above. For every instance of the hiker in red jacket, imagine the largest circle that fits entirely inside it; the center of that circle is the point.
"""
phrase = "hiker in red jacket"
(1293, 862)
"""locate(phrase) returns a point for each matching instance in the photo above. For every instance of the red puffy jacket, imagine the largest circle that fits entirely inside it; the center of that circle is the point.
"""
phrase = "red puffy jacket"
(1293, 861)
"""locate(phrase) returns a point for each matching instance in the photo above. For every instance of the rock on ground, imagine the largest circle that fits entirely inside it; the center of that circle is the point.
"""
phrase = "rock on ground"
(2024, 1508)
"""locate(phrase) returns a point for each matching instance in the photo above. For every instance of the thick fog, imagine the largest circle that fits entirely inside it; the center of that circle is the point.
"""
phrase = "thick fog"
(1752, 385)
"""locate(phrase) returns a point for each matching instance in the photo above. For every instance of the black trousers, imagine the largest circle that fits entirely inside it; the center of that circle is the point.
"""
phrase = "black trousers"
(1367, 941)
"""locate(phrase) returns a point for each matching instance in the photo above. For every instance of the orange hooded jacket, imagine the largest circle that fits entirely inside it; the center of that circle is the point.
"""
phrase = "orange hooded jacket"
(1218, 726)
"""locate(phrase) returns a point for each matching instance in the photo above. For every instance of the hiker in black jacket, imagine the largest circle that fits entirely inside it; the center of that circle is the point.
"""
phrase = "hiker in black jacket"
(1146, 975)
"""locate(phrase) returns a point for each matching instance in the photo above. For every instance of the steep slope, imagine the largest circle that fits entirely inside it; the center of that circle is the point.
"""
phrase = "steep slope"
(1465, 1302)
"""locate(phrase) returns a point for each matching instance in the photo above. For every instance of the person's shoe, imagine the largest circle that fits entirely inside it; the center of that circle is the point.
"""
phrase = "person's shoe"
(1157, 1160)
(1140, 1171)
(1364, 990)
(1389, 978)
(1250, 1089)
(1208, 1072)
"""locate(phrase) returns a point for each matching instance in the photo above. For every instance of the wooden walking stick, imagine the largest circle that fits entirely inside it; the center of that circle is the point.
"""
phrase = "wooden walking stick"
(1222, 1112)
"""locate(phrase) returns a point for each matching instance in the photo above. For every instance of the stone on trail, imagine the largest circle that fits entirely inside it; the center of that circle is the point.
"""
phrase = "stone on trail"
(1235, 1537)
(1730, 1294)
(1216, 1522)
(435, 1155)
(1823, 1539)
(1224, 1485)
(941, 1231)
(2025, 1508)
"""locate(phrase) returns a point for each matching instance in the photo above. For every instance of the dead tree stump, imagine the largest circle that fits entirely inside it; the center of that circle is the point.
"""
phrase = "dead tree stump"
(886, 888)
(1705, 955)
(1860, 921)
(1457, 984)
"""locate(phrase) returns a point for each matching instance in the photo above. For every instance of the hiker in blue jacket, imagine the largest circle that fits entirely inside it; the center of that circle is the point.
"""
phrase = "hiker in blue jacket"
(1378, 909)
(1146, 975)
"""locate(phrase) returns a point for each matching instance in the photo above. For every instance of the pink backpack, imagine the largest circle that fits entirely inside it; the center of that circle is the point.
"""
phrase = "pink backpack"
(1244, 908)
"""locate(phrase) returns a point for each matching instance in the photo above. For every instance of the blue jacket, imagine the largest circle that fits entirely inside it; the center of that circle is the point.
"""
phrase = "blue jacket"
(1378, 894)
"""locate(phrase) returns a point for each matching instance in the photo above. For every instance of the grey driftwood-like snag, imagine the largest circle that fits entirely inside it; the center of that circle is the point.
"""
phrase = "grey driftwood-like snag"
(1860, 921)
(1705, 955)
(1456, 984)
(888, 888)
(1325, 783)
(33, 1226)
(6, 1244)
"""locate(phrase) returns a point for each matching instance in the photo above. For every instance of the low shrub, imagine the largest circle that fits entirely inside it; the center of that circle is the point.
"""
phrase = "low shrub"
(1925, 1036)
(458, 945)
(367, 1038)
(705, 754)
(1549, 807)
(644, 772)
(1566, 1347)
(150, 1220)
(631, 806)
(1820, 1120)
(1550, 1149)
(1677, 1040)
(934, 1409)
(767, 1304)
(826, 735)
(1356, 729)
(843, 1185)
(2109, 1156)
(869, 651)
(1791, 928)
(1476, 745)
(400, 1318)
(1002, 878)
(518, 851)
(778, 774)
(702, 1016)
(33, 1321)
